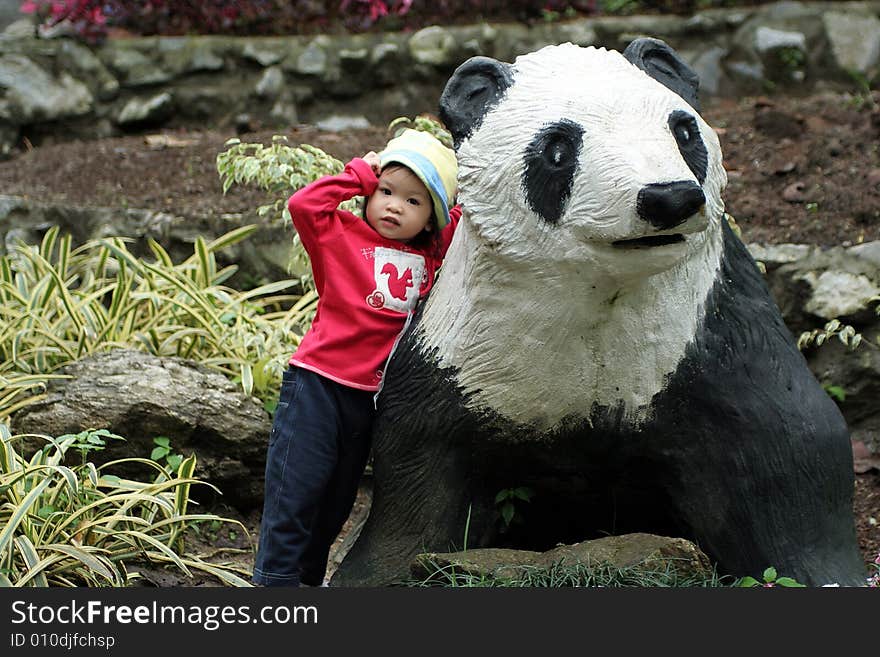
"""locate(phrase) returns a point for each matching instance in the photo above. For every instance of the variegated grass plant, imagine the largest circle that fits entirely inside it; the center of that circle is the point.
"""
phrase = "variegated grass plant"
(82, 526)
(59, 304)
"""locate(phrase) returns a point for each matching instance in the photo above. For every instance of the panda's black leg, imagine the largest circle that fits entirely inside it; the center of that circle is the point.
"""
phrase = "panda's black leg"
(420, 504)
(753, 503)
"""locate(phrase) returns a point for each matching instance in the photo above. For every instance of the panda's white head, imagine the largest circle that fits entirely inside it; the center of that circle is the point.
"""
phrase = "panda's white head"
(587, 156)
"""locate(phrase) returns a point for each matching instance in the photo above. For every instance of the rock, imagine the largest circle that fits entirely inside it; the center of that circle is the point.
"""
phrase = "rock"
(153, 110)
(839, 294)
(30, 94)
(140, 396)
(185, 55)
(266, 254)
(734, 50)
(795, 192)
(21, 28)
(266, 52)
(812, 284)
(313, 60)
(433, 45)
(774, 255)
(134, 68)
(270, 83)
(338, 123)
(645, 551)
(858, 374)
(855, 39)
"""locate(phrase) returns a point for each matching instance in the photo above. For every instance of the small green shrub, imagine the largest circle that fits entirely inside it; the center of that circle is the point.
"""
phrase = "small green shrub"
(508, 504)
(162, 450)
(280, 170)
(770, 578)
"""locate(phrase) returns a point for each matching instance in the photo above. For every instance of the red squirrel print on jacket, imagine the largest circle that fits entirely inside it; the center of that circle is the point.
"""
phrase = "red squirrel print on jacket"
(398, 285)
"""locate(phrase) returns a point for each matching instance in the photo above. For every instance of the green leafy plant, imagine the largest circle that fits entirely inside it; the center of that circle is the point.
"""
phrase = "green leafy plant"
(83, 526)
(208, 530)
(836, 393)
(863, 96)
(162, 450)
(280, 170)
(508, 503)
(424, 123)
(792, 58)
(770, 578)
(90, 440)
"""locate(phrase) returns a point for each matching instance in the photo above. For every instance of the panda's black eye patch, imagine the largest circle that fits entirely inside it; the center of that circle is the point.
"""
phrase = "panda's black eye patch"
(690, 144)
(551, 161)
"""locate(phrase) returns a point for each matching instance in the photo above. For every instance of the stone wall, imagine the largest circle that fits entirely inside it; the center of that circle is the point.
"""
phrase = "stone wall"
(62, 87)
(9, 12)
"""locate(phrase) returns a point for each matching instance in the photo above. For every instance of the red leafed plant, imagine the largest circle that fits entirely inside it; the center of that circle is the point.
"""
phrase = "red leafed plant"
(91, 19)
(370, 11)
(84, 18)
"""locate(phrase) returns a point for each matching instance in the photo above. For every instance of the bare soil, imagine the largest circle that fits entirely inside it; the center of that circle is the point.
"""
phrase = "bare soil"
(801, 169)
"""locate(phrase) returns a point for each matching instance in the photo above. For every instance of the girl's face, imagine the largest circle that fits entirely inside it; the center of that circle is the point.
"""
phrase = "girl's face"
(401, 206)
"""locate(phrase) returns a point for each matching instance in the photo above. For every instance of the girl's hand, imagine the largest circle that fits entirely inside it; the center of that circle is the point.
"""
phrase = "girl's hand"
(372, 159)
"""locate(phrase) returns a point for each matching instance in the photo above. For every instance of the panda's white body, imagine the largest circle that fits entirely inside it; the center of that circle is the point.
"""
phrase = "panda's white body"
(599, 334)
(509, 285)
(498, 327)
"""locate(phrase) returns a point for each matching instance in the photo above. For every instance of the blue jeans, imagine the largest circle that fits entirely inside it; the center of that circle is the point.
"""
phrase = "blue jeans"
(317, 452)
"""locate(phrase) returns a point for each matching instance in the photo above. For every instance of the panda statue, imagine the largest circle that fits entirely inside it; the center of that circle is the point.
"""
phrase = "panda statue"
(600, 335)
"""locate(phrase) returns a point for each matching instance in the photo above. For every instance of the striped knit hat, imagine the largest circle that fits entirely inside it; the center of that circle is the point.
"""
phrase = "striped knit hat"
(432, 162)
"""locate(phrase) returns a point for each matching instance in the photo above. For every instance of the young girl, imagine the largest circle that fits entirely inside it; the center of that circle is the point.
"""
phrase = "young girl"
(370, 274)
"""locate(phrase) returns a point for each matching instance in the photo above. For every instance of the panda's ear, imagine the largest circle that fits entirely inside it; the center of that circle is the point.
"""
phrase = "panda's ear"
(474, 88)
(662, 63)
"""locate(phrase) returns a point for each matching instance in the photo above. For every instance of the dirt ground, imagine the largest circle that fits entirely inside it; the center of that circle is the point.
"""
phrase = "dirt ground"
(803, 170)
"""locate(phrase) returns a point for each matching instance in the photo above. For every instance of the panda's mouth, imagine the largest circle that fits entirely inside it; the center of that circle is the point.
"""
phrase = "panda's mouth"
(649, 242)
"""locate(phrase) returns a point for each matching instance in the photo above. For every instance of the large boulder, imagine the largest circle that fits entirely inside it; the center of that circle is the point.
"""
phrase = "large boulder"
(140, 397)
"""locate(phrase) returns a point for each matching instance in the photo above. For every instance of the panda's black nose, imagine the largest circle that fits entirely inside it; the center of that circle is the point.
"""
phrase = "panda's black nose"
(666, 205)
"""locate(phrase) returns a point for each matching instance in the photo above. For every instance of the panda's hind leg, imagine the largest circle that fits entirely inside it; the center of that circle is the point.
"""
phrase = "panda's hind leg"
(756, 502)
